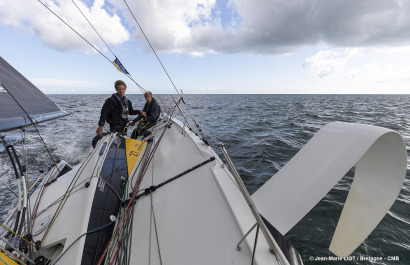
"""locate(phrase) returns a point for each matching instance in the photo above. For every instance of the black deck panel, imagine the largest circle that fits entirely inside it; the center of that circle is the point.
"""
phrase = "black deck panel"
(106, 202)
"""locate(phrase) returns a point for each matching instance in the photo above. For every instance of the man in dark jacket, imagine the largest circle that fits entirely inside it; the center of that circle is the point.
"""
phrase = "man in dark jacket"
(116, 109)
(148, 116)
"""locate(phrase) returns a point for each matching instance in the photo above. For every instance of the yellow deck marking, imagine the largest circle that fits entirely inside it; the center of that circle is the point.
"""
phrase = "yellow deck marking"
(133, 149)
(6, 259)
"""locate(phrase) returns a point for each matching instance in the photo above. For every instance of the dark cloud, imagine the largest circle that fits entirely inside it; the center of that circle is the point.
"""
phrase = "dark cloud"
(241, 26)
(279, 26)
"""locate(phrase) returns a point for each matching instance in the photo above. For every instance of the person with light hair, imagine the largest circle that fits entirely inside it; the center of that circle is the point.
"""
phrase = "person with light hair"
(147, 117)
(116, 109)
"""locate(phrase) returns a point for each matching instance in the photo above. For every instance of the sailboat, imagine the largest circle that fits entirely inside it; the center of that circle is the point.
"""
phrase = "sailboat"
(168, 198)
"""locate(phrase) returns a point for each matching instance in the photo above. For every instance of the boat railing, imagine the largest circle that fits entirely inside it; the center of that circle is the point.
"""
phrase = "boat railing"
(273, 246)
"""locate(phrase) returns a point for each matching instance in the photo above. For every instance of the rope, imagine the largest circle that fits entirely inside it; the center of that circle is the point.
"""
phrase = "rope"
(130, 232)
(33, 121)
(128, 75)
(150, 231)
(254, 245)
(8, 229)
(91, 231)
(74, 30)
(151, 47)
(67, 194)
(93, 27)
(11, 256)
(124, 250)
(140, 87)
(154, 187)
(156, 233)
(86, 233)
(25, 163)
(44, 186)
(150, 216)
(136, 187)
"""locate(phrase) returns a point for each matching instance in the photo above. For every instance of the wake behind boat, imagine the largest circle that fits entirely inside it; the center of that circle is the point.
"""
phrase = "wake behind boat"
(167, 198)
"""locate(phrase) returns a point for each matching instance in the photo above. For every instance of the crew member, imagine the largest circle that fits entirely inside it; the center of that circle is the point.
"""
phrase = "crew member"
(116, 109)
(147, 117)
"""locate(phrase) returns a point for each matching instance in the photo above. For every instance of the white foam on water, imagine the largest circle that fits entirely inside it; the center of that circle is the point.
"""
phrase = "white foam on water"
(398, 217)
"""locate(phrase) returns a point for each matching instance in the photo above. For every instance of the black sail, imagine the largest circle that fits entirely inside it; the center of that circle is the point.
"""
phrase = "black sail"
(14, 87)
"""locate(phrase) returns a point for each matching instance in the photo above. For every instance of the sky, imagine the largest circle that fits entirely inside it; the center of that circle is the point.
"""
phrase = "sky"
(211, 46)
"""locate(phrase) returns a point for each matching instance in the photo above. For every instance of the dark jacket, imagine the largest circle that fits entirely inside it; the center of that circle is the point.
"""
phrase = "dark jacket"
(153, 111)
(115, 111)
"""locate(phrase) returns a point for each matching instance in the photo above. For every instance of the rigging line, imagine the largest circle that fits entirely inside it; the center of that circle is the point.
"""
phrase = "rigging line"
(156, 234)
(254, 246)
(120, 225)
(25, 163)
(93, 28)
(163, 103)
(43, 187)
(183, 115)
(123, 251)
(15, 194)
(210, 135)
(128, 75)
(140, 87)
(67, 193)
(33, 121)
(52, 255)
(149, 190)
(74, 30)
(113, 249)
(109, 185)
(82, 121)
(8, 229)
(73, 192)
(130, 232)
(131, 202)
(11, 256)
(143, 158)
(150, 216)
(55, 202)
(86, 233)
(150, 236)
(152, 47)
(143, 91)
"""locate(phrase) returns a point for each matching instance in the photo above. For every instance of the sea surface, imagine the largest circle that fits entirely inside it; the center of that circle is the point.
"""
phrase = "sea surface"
(261, 133)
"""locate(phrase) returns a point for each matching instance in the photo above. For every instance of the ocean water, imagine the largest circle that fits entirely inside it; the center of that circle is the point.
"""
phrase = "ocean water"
(261, 133)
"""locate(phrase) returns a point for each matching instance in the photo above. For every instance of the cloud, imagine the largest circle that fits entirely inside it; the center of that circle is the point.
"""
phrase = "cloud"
(212, 26)
(32, 17)
(281, 25)
(327, 62)
(369, 65)
(179, 26)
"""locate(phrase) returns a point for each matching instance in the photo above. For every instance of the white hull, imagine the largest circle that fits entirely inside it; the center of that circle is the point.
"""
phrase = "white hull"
(198, 218)
(181, 205)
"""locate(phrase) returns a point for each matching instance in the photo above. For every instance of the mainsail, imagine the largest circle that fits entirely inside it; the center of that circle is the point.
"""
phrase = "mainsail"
(32, 107)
